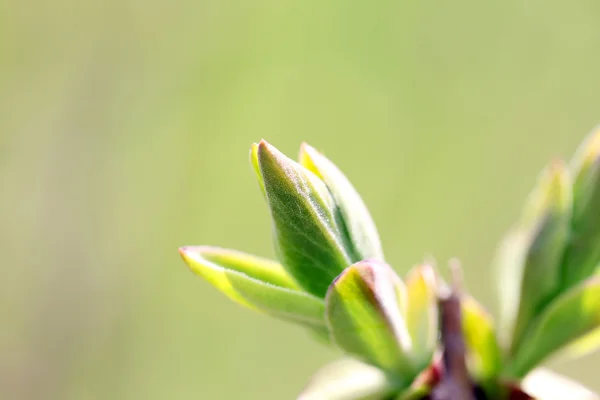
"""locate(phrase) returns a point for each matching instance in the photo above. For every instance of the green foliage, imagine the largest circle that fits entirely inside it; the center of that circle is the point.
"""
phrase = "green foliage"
(483, 353)
(421, 312)
(364, 316)
(309, 236)
(582, 256)
(540, 239)
(549, 294)
(256, 283)
(571, 316)
(363, 235)
(332, 279)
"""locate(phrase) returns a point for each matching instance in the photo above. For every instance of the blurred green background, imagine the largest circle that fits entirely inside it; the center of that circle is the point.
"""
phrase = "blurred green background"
(124, 133)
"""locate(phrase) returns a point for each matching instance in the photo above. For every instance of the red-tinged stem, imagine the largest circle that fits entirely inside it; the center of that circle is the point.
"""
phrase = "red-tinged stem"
(456, 383)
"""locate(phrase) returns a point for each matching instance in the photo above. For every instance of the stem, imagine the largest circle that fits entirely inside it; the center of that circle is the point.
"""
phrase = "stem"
(456, 383)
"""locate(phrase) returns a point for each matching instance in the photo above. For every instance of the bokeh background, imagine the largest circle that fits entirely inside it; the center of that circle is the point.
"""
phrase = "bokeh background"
(124, 133)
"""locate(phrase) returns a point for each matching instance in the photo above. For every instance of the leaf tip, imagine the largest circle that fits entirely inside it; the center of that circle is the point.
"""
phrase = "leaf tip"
(263, 145)
(253, 149)
(270, 158)
(589, 151)
(188, 255)
(307, 149)
(553, 190)
(183, 251)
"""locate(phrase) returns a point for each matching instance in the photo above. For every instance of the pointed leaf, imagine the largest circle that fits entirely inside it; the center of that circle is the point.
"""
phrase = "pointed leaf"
(422, 311)
(363, 314)
(530, 260)
(279, 302)
(573, 315)
(543, 384)
(483, 352)
(256, 283)
(209, 261)
(583, 254)
(256, 167)
(357, 219)
(349, 379)
(308, 239)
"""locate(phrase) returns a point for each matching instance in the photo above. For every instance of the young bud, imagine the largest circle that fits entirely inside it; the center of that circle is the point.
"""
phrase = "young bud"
(363, 312)
(363, 237)
(582, 257)
(483, 353)
(309, 241)
(421, 311)
(531, 256)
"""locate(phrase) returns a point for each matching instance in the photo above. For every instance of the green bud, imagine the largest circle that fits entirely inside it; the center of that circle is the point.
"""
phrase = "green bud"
(483, 352)
(256, 283)
(531, 256)
(309, 240)
(363, 313)
(363, 237)
(421, 312)
(582, 257)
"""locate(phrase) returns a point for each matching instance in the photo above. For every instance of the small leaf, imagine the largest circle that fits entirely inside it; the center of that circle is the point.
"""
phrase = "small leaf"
(583, 254)
(543, 384)
(360, 227)
(208, 261)
(279, 302)
(363, 314)
(571, 316)
(256, 283)
(422, 311)
(308, 240)
(256, 167)
(483, 352)
(535, 247)
(349, 379)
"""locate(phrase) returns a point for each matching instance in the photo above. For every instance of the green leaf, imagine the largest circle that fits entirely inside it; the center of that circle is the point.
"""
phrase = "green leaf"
(359, 225)
(308, 239)
(573, 315)
(543, 384)
(422, 311)
(530, 258)
(279, 302)
(583, 254)
(363, 314)
(349, 379)
(256, 283)
(483, 353)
